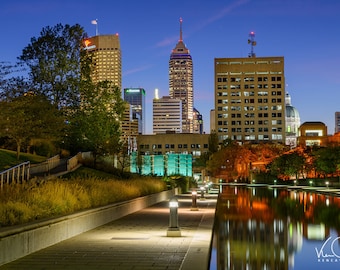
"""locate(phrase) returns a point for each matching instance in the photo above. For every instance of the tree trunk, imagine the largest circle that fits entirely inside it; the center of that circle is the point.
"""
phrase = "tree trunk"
(18, 148)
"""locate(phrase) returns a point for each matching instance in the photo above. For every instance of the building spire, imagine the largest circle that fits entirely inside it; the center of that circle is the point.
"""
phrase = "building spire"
(180, 29)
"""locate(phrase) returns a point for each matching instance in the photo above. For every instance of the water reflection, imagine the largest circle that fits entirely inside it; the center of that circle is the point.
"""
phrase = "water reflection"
(276, 228)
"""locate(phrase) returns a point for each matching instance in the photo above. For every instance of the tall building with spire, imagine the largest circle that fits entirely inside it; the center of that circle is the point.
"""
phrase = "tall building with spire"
(181, 81)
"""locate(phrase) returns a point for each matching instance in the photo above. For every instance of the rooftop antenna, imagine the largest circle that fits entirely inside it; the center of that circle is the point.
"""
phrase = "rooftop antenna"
(180, 29)
(95, 22)
(252, 43)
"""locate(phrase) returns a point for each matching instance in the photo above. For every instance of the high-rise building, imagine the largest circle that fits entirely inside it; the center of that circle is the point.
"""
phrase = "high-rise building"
(181, 81)
(136, 97)
(167, 115)
(129, 129)
(198, 122)
(250, 99)
(212, 121)
(106, 56)
(337, 122)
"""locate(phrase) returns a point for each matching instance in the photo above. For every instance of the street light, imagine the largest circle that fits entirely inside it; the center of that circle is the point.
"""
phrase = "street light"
(202, 193)
(173, 230)
(194, 201)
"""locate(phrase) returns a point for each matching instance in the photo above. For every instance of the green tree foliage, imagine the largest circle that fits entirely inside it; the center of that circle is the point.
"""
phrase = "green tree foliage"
(213, 142)
(288, 165)
(5, 70)
(327, 160)
(29, 116)
(53, 60)
(96, 123)
(213, 148)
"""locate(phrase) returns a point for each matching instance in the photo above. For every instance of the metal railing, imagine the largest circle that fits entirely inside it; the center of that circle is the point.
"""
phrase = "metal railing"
(46, 166)
(23, 172)
(17, 174)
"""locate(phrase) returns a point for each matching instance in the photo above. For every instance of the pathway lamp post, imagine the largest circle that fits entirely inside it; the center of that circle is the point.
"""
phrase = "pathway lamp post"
(202, 193)
(206, 188)
(173, 230)
(194, 201)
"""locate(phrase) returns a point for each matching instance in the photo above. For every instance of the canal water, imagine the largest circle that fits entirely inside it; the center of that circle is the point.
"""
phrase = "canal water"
(280, 228)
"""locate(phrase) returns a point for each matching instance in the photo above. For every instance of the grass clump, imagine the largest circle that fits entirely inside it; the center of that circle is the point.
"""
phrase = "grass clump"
(22, 203)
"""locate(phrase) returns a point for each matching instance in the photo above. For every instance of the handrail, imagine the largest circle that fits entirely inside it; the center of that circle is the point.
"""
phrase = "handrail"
(17, 173)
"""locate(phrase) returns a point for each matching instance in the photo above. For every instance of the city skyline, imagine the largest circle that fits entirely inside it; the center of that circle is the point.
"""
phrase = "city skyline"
(303, 32)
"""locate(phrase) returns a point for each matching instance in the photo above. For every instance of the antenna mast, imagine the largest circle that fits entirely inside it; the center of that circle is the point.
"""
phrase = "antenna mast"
(180, 29)
(252, 43)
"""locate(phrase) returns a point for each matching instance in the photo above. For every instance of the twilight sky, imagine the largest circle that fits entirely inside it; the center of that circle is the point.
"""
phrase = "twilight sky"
(305, 32)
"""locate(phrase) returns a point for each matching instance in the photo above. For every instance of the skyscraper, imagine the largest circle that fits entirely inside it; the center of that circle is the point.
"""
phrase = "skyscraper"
(129, 129)
(136, 97)
(106, 53)
(198, 122)
(250, 99)
(337, 122)
(181, 81)
(167, 115)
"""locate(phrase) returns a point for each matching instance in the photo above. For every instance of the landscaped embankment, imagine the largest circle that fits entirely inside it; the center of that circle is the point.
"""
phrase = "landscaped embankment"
(21, 240)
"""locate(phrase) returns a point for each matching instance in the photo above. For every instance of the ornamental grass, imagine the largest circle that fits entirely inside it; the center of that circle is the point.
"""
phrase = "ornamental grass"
(23, 203)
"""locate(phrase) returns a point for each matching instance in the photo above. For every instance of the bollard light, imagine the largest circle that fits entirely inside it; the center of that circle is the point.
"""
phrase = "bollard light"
(194, 201)
(173, 229)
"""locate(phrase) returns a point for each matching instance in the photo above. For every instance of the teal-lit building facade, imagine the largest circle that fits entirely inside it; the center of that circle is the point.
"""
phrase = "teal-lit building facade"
(169, 154)
(162, 165)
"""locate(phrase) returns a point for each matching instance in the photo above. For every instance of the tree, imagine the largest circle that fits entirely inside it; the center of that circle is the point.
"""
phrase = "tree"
(53, 60)
(28, 116)
(213, 142)
(213, 148)
(224, 161)
(288, 164)
(96, 123)
(327, 160)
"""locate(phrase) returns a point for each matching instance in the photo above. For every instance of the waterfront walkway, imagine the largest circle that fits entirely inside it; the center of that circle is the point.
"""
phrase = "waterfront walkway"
(136, 241)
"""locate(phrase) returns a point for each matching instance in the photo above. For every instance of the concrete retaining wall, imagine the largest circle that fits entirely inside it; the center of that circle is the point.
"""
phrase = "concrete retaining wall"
(20, 241)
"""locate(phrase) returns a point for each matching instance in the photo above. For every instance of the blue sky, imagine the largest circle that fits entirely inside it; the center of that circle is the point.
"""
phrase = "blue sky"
(305, 32)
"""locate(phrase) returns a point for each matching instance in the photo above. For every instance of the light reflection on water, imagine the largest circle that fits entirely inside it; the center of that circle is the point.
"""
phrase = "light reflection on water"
(276, 228)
